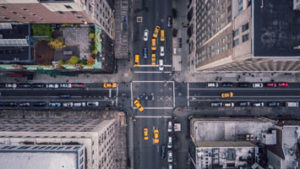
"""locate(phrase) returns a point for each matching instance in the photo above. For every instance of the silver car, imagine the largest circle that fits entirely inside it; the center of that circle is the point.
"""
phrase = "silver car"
(162, 51)
(146, 34)
(170, 156)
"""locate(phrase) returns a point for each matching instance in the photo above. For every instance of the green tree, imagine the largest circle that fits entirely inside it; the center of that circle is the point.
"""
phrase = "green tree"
(73, 60)
(57, 43)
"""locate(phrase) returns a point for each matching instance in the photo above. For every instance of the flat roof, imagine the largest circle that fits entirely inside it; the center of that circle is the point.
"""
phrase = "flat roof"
(276, 29)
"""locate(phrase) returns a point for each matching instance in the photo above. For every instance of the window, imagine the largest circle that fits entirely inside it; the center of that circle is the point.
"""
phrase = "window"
(245, 27)
(68, 6)
(236, 42)
(229, 8)
(235, 32)
(245, 37)
(61, 12)
(229, 19)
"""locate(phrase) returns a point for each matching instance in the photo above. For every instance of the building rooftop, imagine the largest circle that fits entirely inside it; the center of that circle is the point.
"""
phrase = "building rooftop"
(276, 29)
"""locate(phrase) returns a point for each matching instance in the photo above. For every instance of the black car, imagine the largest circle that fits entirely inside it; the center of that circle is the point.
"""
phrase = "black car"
(163, 152)
(38, 85)
(216, 104)
(227, 84)
(24, 85)
(2, 85)
(244, 104)
(244, 84)
(10, 104)
(64, 96)
(38, 104)
(145, 53)
(274, 104)
(169, 21)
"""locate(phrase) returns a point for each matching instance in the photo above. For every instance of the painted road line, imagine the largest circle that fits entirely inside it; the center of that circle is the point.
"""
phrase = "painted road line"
(117, 95)
(131, 97)
(174, 95)
(223, 88)
(243, 97)
(152, 81)
(153, 66)
(188, 94)
(152, 72)
(149, 117)
(156, 108)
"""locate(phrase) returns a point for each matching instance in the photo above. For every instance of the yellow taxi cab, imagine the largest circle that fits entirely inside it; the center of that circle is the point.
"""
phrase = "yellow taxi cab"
(153, 59)
(156, 31)
(162, 35)
(156, 136)
(138, 105)
(110, 85)
(227, 94)
(136, 60)
(153, 44)
(146, 134)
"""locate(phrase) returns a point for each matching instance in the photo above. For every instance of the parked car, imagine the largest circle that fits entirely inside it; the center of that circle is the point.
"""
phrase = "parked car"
(54, 104)
(146, 34)
(24, 85)
(64, 96)
(169, 21)
(92, 104)
(216, 104)
(244, 84)
(170, 166)
(257, 85)
(10, 85)
(244, 104)
(229, 104)
(77, 85)
(274, 104)
(24, 104)
(65, 85)
(38, 104)
(227, 84)
(258, 104)
(282, 84)
(79, 104)
(52, 85)
(170, 142)
(170, 156)
(145, 53)
(110, 85)
(38, 85)
(212, 84)
(292, 104)
(68, 104)
(163, 151)
(2, 85)
(170, 126)
(10, 104)
(271, 84)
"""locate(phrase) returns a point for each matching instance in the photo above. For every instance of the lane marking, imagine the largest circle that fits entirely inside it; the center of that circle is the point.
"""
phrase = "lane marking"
(152, 72)
(156, 108)
(188, 94)
(149, 117)
(174, 95)
(152, 81)
(223, 88)
(131, 97)
(152, 66)
(117, 96)
(241, 97)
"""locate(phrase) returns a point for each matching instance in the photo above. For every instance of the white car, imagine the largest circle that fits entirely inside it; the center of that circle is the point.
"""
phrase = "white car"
(258, 85)
(92, 104)
(169, 142)
(162, 51)
(170, 126)
(170, 156)
(11, 85)
(79, 104)
(65, 85)
(161, 64)
(146, 34)
(212, 84)
(258, 104)
(52, 85)
(68, 104)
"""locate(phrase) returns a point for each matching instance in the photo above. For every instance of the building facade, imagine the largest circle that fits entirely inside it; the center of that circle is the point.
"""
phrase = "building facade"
(97, 136)
(244, 35)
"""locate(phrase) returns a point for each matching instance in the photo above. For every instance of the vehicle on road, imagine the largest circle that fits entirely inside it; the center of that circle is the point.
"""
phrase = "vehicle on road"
(161, 64)
(257, 85)
(163, 151)
(145, 53)
(162, 35)
(65, 85)
(110, 85)
(77, 85)
(138, 105)
(212, 84)
(38, 85)
(54, 104)
(227, 95)
(64, 96)
(156, 136)
(170, 166)
(258, 104)
(244, 84)
(153, 44)
(52, 85)
(10, 85)
(244, 104)
(170, 156)
(68, 104)
(10, 104)
(227, 84)
(153, 59)
(274, 104)
(146, 34)
(24, 104)
(2, 85)
(282, 84)
(271, 84)
(24, 85)
(229, 104)
(136, 60)
(292, 104)
(156, 31)
(38, 104)
(170, 126)
(162, 51)
(79, 104)
(170, 142)
(169, 21)
(216, 104)
(146, 134)
(92, 104)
